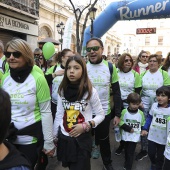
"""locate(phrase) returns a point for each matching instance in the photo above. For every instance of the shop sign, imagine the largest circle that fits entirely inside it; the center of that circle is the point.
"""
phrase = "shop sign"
(13, 24)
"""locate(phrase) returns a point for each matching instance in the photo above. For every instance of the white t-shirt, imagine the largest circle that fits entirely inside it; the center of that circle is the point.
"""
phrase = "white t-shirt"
(25, 100)
(99, 74)
(71, 113)
(157, 130)
(150, 83)
(167, 147)
(55, 84)
(135, 120)
(128, 82)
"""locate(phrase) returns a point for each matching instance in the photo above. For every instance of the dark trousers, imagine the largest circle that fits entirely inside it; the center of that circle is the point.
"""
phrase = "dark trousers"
(166, 165)
(30, 151)
(129, 154)
(83, 161)
(155, 152)
(102, 139)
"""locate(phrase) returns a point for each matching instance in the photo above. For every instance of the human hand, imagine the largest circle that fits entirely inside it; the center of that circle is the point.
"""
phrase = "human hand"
(50, 153)
(141, 105)
(77, 130)
(132, 130)
(144, 133)
(116, 121)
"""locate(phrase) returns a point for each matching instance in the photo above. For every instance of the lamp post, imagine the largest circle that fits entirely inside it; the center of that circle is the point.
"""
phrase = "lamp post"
(60, 30)
(92, 17)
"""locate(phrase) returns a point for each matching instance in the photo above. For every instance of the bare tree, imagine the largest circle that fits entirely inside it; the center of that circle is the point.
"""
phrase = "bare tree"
(78, 12)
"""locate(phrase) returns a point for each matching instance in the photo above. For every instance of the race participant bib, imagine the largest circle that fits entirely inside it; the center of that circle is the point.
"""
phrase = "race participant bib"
(159, 121)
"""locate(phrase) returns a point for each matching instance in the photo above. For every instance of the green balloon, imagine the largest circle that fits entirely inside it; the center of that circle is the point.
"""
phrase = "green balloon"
(48, 50)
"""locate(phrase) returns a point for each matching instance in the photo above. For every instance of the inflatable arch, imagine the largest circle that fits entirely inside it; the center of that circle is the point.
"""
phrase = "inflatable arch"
(127, 10)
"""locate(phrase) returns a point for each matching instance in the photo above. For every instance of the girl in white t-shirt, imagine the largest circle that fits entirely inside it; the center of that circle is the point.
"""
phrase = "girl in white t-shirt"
(155, 127)
(77, 100)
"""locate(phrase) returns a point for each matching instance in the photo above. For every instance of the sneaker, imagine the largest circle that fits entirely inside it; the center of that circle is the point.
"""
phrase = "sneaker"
(118, 151)
(108, 167)
(95, 153)
(141, 155)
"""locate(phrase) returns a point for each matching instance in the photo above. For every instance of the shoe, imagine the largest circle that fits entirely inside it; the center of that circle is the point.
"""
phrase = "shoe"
(141, 155)
(118, 151)
(108, 167)
(124, 168)
(95, 153)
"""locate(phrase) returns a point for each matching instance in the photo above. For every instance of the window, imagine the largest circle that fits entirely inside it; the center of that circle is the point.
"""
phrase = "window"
(147, 40)
(160, 40)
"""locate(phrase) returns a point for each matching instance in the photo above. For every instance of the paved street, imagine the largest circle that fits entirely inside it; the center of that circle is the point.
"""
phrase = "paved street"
(117, 163)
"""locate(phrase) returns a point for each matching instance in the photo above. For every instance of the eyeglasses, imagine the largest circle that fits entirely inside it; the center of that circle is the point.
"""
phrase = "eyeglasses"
(14, 54)
(126, 60)
(144, 56)
(95, 48)
(154, 61)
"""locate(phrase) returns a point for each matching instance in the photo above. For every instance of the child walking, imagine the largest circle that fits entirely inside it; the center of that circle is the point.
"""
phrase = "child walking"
(155, 127)
(76, 101)
(132, 119)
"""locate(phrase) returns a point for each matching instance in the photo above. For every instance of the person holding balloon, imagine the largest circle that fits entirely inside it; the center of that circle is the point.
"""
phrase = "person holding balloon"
(31, 119)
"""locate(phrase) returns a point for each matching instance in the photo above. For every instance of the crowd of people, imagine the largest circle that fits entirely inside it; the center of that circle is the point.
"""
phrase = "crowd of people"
(62, 107)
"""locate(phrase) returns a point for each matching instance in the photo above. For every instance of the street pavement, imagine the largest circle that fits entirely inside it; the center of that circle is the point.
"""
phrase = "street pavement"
(118, 161)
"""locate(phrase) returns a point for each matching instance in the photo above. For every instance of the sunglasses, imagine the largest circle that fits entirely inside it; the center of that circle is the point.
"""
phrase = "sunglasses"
(126, 60)
(144, 56)
(95, 48)
(154, 61)
(40, 58)
(14, 54)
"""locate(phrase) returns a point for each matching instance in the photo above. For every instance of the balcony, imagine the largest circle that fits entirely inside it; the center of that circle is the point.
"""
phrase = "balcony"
(29, 6)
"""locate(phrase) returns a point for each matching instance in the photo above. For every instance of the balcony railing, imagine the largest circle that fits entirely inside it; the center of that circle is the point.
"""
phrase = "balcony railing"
(29, 6)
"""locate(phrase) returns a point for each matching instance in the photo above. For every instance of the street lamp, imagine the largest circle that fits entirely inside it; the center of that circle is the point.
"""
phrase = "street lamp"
(60, 30)
(92, 17)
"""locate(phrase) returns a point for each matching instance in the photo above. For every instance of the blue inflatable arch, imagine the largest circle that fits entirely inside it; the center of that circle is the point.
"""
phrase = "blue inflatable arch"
(132, 10)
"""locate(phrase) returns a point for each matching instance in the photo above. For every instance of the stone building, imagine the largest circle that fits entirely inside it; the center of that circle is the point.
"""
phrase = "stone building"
(18, 18)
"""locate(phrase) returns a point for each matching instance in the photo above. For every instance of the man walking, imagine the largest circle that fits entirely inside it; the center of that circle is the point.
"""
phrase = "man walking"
(102, 78)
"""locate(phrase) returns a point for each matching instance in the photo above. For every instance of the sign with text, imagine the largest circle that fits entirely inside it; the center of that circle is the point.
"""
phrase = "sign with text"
(18, 25)
(146, 31)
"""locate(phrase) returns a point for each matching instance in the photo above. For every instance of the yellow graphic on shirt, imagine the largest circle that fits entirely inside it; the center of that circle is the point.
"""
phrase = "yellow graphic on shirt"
(72, 117)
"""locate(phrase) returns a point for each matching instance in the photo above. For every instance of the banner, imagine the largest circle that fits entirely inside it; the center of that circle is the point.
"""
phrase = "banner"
(67, 33)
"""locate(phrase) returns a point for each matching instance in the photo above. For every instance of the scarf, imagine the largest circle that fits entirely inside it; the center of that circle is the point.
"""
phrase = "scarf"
(71, 93)
(142, 67)
(20, 74)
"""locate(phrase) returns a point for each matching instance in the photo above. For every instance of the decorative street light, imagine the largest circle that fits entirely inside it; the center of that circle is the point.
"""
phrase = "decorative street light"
(60, 29)
(92, 17)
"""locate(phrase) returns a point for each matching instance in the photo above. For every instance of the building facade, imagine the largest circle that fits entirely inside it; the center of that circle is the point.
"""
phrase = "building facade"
(157, 42)
(52, 12)
(18, 19)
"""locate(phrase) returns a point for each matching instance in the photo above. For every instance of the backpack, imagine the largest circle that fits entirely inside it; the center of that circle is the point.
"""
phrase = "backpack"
(111, 70)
